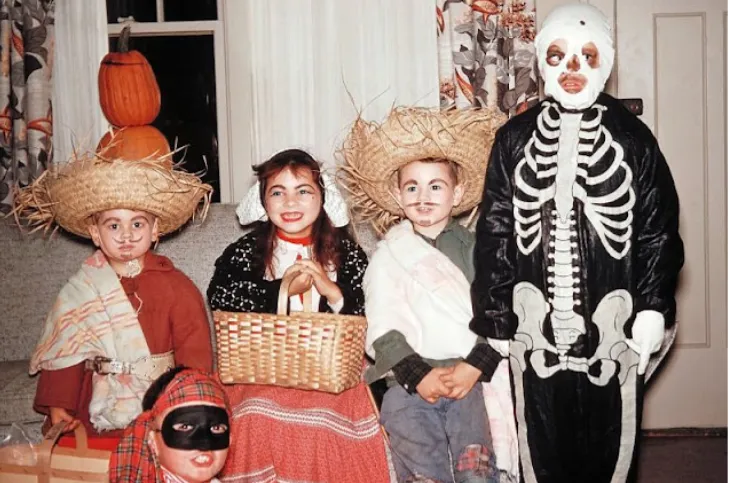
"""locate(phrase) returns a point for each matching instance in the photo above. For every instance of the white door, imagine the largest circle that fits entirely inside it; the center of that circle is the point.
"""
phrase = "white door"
(671, 54)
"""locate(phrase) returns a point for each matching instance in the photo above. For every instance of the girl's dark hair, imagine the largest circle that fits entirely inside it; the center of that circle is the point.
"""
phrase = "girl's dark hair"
(158, 387)
(325, 237)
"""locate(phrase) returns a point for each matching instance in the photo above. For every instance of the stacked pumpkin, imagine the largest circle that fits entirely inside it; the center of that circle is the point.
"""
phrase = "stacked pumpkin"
(130, 100)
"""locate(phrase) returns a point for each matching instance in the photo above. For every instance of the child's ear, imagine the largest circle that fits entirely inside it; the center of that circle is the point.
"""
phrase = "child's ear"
(397, 197)
(155, 230)
(94, 232)
(151, 442)
(395, 191)
(458, 194)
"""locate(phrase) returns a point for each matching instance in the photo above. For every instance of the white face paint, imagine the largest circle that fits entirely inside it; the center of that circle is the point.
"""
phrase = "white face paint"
(574, 26)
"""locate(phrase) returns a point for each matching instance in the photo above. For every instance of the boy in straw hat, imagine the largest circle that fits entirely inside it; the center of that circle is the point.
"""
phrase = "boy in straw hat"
(408, 177)
(128, 314)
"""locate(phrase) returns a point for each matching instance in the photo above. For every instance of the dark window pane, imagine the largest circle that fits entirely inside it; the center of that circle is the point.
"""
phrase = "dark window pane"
(184, 10)
(185, 70)
(141, 10)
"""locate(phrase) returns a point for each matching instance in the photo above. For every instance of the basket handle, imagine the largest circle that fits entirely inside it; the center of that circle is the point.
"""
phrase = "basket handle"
(45, 449)
(281, 308)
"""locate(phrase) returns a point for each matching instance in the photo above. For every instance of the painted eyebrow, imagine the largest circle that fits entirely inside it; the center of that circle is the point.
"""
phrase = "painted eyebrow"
(435, 180)
(280, 186)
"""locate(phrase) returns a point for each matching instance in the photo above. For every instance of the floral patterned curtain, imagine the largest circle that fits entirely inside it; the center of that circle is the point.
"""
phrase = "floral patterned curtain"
(486, 54)
(26, 63)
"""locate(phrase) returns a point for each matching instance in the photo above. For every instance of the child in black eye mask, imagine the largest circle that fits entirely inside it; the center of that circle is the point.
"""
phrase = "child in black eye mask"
(181, 437)
(199, 427)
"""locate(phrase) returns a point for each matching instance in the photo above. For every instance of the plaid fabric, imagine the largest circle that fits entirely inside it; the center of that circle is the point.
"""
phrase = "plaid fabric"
(133, 461)
(410, 371)
(485, 358)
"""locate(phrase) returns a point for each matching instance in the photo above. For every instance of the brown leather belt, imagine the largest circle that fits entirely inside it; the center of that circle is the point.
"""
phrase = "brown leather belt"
(148, 368)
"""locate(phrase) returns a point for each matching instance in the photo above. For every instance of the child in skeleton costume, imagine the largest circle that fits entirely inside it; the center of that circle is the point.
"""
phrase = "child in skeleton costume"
(577, 259)
(279, 433)
(128, 314)
(182, 436)
(408, 176)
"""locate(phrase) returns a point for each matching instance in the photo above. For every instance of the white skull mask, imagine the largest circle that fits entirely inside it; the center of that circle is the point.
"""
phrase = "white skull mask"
(577, 25)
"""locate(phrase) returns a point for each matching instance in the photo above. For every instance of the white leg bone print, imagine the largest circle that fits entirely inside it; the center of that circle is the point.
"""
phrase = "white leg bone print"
(610, 315)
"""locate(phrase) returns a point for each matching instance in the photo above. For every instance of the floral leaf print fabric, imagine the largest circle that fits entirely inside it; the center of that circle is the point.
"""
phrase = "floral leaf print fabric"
(26, 120)
(486, 54)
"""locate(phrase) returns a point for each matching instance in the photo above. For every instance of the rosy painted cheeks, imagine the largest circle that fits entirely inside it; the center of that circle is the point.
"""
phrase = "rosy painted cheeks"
(293, 201)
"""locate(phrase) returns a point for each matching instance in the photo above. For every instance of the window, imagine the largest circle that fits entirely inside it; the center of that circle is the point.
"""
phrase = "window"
(184, 42)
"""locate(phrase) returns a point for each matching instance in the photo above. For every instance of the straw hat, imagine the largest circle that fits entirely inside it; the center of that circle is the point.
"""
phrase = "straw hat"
(69, 194)
(373, 153)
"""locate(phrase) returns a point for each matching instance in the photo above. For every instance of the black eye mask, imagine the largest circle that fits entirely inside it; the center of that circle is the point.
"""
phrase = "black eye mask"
(191, 427)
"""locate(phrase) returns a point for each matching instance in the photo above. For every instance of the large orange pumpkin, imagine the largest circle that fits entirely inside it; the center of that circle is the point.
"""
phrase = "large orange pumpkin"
(128, 90)
(134, 143)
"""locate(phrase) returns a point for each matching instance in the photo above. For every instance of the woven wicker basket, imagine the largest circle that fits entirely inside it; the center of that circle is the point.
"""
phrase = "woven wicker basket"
(302, 350)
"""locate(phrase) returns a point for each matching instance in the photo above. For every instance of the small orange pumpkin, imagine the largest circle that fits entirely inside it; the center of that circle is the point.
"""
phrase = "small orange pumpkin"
(128, 90)
(133, 143)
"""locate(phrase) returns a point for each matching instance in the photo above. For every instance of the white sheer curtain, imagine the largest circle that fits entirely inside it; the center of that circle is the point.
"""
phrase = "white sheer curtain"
(289, 77)
(81, 42)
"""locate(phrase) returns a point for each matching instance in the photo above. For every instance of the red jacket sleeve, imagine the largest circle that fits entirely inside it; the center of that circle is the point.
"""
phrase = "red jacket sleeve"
(59, 389)
(189, 325)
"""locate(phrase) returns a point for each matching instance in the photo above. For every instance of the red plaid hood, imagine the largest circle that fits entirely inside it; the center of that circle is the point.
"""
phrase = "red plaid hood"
(133, 460)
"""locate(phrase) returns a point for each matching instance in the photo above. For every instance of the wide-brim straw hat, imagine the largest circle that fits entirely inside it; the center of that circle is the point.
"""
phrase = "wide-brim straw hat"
(373, 153)
(69, 194)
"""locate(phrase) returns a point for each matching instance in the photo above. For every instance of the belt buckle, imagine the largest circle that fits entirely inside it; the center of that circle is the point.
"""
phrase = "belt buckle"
(97, 362)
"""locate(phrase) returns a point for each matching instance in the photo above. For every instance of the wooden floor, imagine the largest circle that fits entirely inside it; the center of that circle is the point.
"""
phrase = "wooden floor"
(689, 459)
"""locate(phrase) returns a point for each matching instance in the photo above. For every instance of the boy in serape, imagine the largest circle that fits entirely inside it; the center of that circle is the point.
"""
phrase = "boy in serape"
(128, 314)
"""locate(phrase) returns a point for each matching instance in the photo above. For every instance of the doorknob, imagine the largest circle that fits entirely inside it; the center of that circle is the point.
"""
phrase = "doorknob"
(634, 105)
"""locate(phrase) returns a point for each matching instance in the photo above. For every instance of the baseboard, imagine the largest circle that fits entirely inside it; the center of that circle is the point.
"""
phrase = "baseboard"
(687, 432)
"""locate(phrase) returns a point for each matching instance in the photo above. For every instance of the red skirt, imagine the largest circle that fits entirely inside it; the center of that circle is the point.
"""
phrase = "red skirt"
(296, 435)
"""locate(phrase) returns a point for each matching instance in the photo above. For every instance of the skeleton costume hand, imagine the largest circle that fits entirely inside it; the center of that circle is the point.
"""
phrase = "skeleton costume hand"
(647, 336)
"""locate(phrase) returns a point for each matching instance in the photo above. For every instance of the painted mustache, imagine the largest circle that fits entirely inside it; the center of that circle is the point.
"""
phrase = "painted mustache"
(421, 203)
(123, 241)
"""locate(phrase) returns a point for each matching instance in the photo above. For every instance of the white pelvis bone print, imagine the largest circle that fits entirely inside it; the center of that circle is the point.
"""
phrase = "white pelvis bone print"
(555, 160)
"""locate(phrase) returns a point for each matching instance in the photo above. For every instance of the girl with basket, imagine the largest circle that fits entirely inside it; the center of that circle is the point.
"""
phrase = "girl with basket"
(283, 433)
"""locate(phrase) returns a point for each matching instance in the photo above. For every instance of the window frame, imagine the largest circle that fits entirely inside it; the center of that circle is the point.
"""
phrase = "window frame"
(216, 28)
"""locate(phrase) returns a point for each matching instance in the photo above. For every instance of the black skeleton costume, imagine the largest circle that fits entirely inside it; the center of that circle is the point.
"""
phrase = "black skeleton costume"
(577, 259)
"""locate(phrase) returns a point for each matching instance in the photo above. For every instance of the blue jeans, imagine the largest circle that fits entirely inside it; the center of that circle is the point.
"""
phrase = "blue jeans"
(448, 441)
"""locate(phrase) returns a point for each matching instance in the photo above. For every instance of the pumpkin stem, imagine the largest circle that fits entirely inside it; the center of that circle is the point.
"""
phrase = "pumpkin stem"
(123, 42)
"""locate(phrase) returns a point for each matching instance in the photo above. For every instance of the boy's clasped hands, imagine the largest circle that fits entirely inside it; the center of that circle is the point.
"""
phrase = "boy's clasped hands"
(453, 382)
